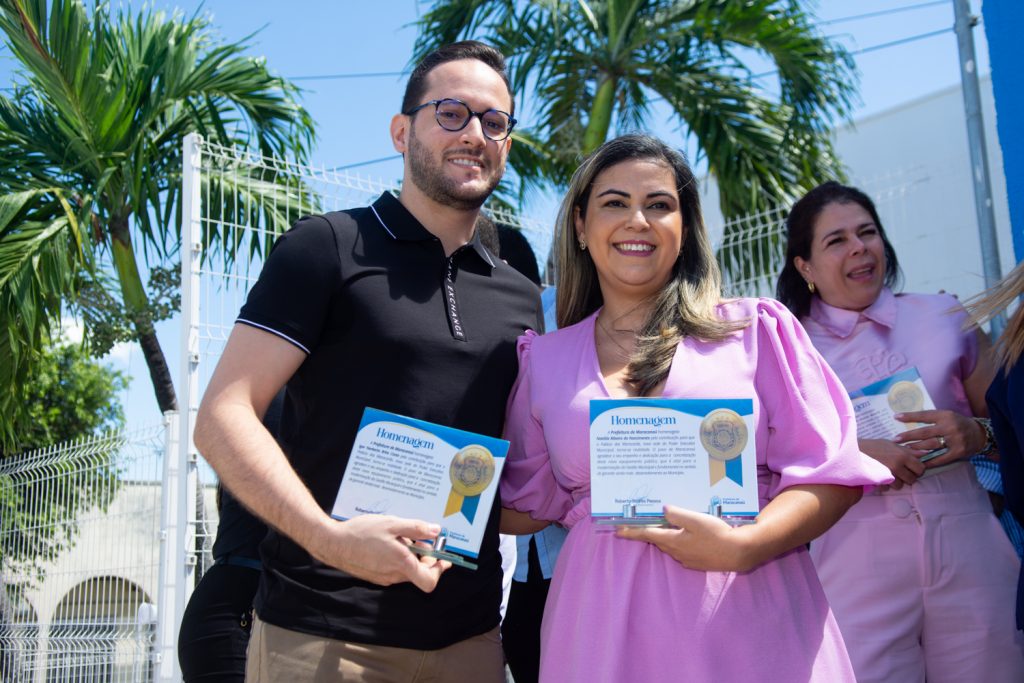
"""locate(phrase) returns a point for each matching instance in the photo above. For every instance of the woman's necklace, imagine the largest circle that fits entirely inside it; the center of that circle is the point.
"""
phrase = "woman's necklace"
(626, 353)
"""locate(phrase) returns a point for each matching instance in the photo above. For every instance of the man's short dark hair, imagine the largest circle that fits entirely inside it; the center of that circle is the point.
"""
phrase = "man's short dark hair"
(466, 49)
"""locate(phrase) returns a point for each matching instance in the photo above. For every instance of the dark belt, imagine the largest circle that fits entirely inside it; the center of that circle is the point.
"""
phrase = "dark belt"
(239, 561)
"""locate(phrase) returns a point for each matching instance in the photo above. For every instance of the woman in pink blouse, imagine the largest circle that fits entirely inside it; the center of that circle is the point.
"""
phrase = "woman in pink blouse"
(920, 575)
(640, 314)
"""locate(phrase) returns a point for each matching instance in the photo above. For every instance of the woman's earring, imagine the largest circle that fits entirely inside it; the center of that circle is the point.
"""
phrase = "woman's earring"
(583, 243)
(810, 286)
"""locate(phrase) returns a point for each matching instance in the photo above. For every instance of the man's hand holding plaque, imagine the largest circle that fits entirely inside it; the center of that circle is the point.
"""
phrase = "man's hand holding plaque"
(422, 471)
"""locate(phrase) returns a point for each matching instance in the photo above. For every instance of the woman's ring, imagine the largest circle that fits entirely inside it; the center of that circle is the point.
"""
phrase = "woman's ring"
(942, 441)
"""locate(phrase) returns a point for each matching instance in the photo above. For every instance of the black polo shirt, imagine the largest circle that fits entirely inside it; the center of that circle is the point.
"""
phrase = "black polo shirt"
(389, 322)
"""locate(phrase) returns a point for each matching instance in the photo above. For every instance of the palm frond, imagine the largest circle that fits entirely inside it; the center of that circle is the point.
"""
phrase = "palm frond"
(42, 254)
(683, 51)
(448, 22)
(108, 98)
(247, 208)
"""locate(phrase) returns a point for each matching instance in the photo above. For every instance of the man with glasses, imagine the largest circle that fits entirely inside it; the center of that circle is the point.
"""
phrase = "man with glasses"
(396, 306)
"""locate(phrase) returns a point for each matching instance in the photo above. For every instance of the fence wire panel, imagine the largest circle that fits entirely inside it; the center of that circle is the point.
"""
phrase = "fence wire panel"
(751, 253)
(79, 559)
(247, 201)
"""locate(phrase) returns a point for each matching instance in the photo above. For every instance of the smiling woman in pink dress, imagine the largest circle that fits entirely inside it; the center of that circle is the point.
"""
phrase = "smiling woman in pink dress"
(640, 314)
(920, 576)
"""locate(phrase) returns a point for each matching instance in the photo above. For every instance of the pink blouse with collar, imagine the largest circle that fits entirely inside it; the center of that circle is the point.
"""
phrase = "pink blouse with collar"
(897, 332)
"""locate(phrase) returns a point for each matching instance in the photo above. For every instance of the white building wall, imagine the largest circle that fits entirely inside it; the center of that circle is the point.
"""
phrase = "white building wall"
(913, 160)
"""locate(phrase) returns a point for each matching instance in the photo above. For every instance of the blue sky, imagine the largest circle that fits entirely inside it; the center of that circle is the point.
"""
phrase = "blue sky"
(310, 39)
(315, 38)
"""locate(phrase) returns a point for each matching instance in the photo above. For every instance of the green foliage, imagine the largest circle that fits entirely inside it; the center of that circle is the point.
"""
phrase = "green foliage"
(597, 65)
(108, 322)
(69, 396)
(102, 102)
(41, 257)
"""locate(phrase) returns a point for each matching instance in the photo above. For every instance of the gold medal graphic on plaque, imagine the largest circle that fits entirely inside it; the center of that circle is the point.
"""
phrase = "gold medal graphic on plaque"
(472, 470)
(723, 433)
(905, 397)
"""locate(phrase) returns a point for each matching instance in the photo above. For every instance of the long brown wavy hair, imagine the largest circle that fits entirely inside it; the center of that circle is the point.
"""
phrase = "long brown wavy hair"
(685, 306)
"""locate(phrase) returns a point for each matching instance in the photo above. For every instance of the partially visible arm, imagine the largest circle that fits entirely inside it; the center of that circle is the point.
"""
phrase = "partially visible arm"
(903, 461)
(962, 435)
(519, 523)
(796, 516)
(981, 378)
(254, 366)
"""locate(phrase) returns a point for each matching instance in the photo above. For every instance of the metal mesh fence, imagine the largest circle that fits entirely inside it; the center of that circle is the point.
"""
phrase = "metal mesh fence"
(246, 201)
(80, 559)
(751, 253)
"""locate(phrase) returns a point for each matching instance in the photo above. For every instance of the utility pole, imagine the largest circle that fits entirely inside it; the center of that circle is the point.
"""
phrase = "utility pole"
(964, 25)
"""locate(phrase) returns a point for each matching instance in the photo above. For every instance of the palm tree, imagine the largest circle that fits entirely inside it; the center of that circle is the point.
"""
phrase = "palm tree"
(589, 63)
(91, 187)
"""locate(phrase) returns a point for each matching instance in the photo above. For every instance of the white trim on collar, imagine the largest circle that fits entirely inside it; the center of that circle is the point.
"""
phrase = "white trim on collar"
(486, 254)
(382, 223)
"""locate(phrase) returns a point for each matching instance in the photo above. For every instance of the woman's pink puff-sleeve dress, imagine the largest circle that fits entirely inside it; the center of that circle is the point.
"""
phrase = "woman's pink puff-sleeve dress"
(622, 610)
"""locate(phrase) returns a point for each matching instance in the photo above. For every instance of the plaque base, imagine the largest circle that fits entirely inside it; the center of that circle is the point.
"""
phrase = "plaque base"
(437, 550)
(652, 521)
(630, 517)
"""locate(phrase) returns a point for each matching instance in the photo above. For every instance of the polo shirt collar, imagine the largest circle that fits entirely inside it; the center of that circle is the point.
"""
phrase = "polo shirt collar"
(396, 220)
(841, 322)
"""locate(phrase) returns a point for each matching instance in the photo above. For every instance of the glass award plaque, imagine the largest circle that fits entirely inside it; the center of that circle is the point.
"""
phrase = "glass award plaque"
(419, 470)
(876, 405)
(646, 453)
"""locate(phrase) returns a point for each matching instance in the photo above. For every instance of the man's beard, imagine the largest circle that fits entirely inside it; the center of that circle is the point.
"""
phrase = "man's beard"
(432, 181)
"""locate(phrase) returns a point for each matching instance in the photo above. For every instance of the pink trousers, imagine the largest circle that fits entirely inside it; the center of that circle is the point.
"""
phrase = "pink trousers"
(922, 582)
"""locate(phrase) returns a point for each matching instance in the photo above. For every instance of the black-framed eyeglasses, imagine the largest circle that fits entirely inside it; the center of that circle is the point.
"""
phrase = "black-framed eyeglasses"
(454, 115)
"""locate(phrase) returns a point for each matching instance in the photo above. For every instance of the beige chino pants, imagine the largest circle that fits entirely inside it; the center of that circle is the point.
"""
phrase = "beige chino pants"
(277, 655)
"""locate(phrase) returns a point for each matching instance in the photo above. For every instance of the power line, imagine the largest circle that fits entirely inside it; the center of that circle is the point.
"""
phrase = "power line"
(827, 22)
(880, 46)
(902, 41)
(365, 163)
(882, 13)
(368, 74)
(872, 48)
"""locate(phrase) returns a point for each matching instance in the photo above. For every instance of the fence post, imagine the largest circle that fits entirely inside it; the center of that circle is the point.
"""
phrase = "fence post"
(165, 665)
(186, 475)
(191, 251)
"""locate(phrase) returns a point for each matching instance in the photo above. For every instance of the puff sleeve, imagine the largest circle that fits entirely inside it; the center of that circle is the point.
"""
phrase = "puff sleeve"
(528, 483)
(812, 433)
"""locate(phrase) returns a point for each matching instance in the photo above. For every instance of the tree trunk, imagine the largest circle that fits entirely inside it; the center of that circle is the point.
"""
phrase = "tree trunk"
(600, 115)
(137, 304)
(159, 373)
